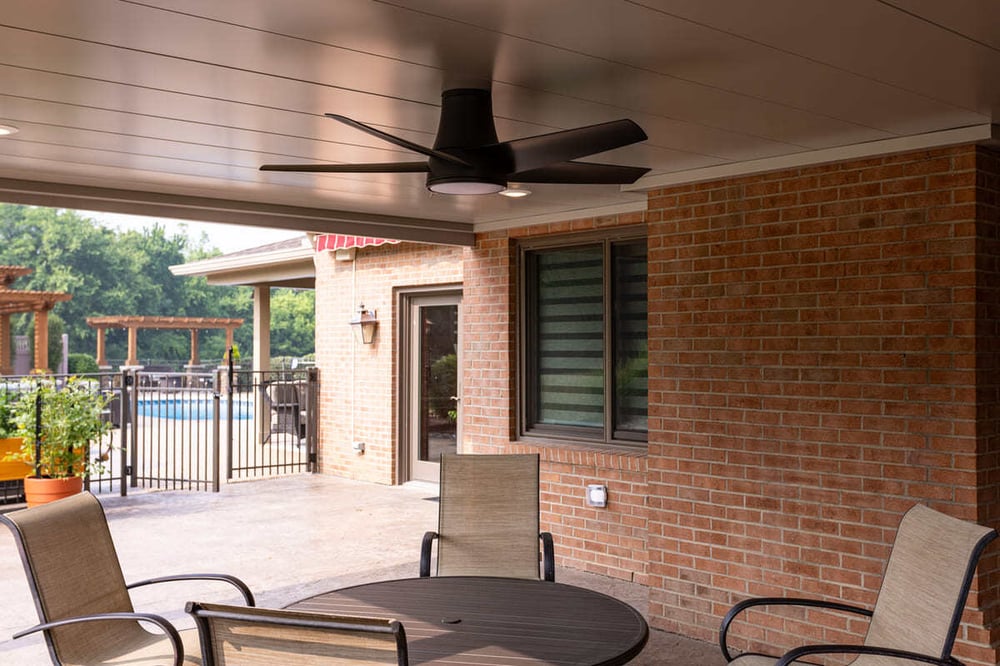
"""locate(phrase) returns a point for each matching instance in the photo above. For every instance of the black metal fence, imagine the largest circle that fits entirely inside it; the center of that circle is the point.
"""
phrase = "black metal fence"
(195, 430)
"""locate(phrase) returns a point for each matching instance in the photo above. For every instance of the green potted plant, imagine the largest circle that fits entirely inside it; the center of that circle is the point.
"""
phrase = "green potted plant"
(71, 419)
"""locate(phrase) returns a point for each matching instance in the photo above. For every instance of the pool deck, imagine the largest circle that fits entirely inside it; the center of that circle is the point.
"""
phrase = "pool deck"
(288, 538)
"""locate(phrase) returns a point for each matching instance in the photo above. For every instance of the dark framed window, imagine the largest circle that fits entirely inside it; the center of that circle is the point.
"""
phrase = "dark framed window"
(583, 339)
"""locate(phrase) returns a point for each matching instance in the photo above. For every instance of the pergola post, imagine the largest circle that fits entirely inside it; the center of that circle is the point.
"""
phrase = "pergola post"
(102, 361)
(194, 348)
(229, 338)
(42, 340)
(133, 346)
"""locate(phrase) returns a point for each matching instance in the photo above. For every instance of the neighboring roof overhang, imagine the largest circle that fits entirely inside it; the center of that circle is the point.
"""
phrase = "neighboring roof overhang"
(286, 263)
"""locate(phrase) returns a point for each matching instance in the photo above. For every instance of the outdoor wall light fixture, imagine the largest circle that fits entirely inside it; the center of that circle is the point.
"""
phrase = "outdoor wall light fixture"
(7, 130)
(366, 323)
(597, 495)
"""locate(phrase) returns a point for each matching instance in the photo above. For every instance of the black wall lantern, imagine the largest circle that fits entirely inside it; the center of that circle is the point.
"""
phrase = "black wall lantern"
(366, 324)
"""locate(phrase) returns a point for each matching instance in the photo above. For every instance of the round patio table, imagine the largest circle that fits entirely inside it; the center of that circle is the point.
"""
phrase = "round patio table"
(481, 620)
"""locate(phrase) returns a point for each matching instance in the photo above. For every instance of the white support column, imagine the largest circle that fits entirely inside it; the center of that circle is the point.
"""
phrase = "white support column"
(262, 355)
(261, 327)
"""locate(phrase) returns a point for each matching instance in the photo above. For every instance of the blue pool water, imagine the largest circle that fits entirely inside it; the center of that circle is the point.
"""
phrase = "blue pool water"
(192, 408)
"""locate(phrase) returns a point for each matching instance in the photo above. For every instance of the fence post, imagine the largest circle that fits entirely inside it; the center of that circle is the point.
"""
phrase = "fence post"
(38, 430)
(123, 428)
(132, 381)
(312, 422)
(216, 417)
(230, 400)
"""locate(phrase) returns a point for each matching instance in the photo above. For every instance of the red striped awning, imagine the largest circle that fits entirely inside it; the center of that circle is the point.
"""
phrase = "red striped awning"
(342, 242)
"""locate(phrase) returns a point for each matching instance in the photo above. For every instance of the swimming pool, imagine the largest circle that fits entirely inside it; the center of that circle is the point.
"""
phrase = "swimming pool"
(191, 407)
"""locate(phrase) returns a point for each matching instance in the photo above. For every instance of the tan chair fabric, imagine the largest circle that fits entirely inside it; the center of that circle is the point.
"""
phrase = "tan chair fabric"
(234, 635)
(488, 516)
(923, 589)
(74, 571)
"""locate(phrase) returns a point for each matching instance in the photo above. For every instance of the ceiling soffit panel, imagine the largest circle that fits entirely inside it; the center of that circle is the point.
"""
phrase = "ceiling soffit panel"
(168, 107)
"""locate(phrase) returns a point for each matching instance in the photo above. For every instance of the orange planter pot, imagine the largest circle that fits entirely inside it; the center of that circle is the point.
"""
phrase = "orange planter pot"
(42, 491)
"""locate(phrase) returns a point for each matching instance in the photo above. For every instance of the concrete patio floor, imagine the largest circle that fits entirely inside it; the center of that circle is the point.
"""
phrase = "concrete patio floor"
(288, 538)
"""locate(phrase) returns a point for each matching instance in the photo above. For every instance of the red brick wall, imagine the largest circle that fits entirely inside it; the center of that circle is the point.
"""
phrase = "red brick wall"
(824, 352)
(988, 385)
(813, 370)
(609, 541)
(357, 400)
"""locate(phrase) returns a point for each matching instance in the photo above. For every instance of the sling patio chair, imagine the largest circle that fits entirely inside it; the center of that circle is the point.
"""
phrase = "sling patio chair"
(919, 606)
(83, 603)
(286, 402)
(488, 521)
(263, 637)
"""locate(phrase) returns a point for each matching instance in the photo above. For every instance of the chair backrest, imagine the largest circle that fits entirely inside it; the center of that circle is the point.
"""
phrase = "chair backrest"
(283, 394)
(72, 569)
(251, 636)
(926, 582)
(488, 516)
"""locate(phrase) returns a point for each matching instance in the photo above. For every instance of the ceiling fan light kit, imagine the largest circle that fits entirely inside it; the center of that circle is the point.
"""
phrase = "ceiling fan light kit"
(465, 186)
(467, 158)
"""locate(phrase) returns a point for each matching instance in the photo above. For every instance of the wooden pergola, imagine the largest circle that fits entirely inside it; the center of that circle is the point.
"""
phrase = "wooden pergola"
(134, 322)
(13, 301)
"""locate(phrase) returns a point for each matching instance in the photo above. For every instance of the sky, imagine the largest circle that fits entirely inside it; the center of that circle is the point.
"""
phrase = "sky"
(225, 237)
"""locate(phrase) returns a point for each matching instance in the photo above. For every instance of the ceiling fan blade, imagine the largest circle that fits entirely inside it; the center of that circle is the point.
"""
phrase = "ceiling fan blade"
(377, 167)
(402, 143)
(537, 151)
(581, 173)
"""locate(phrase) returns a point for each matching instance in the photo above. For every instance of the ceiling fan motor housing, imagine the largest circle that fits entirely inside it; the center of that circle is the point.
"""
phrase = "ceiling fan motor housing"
(467, 158)
(466, 130)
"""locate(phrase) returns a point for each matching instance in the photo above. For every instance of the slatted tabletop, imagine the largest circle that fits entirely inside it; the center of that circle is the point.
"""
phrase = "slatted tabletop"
(477, 620)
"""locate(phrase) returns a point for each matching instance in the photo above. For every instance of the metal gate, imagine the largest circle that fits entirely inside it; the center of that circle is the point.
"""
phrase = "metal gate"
(192, 431)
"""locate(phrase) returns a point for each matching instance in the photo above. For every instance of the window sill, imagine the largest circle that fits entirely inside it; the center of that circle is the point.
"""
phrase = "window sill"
(631, 450)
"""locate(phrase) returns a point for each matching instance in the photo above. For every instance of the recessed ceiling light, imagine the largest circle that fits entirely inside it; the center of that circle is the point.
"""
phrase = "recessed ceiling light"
(515, 192)
(7, 130)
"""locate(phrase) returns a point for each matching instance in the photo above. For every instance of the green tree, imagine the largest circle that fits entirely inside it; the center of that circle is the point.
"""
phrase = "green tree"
(293, 322)
(128, 273)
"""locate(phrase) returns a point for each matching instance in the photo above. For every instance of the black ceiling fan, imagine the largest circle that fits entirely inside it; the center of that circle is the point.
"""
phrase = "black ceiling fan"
(467, 158)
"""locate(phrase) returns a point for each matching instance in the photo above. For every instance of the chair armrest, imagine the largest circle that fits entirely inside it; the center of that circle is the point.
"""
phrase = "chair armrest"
(226, 578)
(425, 553)
(779, 601)
(548, 557)
(798, 653)
(168, 629)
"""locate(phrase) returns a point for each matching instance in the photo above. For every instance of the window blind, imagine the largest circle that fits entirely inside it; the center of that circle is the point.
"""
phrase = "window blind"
(570, 324)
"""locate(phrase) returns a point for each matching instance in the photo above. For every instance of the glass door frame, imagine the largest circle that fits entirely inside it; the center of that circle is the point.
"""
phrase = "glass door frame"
(407, 383)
